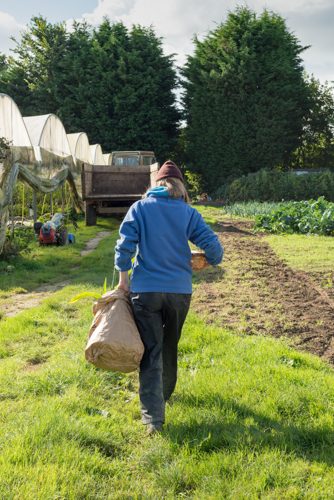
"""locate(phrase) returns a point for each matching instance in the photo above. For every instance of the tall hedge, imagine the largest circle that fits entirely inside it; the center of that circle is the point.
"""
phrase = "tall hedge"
(268, 185)
(245, 97)
(113, 82)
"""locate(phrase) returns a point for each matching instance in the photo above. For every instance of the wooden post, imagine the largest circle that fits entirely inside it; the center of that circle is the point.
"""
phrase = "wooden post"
(23, 202)
(62, 198)
(12, 218)
(34, 205)
(43, 205)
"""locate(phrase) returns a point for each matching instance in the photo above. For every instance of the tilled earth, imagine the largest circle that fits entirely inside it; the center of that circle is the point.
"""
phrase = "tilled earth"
(254, 292)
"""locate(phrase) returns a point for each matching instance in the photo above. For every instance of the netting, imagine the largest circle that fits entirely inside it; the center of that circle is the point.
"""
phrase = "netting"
(16, 171)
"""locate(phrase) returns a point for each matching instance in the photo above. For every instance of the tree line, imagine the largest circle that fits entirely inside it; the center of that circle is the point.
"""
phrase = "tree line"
(247, 103)
(111, 82)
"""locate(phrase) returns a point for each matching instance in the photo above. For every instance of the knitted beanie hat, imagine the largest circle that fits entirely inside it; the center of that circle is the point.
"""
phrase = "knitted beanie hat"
(169, 169)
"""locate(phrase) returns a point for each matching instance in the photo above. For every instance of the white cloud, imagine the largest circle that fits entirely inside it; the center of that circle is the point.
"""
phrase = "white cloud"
(177, 21)
(301, 6)
(8, 27)
(110, 8)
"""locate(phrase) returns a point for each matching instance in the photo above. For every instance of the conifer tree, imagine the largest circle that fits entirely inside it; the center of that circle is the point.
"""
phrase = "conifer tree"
(316, 149)
(245, 97)
(31, 75)
(114, 83)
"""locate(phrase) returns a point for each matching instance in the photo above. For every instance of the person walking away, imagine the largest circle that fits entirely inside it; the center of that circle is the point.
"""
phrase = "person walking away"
(156, 231)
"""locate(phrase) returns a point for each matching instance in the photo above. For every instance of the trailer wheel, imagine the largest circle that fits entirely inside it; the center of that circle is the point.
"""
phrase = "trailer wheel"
(90, 215)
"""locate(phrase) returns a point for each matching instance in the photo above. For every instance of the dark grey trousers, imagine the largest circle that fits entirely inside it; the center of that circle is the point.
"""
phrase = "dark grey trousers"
(159, 318)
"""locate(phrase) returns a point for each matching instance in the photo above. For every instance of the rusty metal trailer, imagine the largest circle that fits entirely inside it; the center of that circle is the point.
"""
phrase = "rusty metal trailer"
(109, 189)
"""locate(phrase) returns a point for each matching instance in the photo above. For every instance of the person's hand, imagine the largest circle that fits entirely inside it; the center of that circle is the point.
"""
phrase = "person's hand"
(123, 283)
(124, 286)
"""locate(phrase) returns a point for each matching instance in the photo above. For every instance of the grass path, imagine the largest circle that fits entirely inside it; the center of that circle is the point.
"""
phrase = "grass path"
(42, 270)
(251, 417)
(18, 302)
(93, 243)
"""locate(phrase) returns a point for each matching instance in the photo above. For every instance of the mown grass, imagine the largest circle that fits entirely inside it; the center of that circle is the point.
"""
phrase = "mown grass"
(251, 418)
(211, 214)
(304, 252)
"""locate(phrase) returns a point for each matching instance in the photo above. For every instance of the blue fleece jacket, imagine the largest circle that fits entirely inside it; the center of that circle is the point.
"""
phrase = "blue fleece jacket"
(156, 230)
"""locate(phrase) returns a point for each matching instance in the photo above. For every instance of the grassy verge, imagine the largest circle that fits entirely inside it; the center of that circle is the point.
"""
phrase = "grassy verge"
(304, 252)
(211, 214)
(250, 418)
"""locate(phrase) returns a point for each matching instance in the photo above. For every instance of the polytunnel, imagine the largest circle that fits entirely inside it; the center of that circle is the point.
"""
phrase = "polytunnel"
(107, 158)
(39, 155)
(47, 133)
(52, 149)
(79, 145)
(96, 155)
(13, 129)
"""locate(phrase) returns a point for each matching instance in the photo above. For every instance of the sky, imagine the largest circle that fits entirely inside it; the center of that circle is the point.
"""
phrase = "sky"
(177, 21)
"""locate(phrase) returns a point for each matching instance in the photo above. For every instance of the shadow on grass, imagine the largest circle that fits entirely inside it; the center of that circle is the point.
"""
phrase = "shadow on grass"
(209, 275)
(209, 434)
(240, 228)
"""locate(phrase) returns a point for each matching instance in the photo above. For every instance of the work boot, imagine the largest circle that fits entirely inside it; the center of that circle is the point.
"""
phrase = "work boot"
(154, 428)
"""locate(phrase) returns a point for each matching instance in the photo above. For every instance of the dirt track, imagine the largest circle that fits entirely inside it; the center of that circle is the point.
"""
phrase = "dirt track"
(22, 301)
(93, 243)
(256, 293)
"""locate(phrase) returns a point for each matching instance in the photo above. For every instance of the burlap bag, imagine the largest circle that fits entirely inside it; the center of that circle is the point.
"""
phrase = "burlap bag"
(114, 341)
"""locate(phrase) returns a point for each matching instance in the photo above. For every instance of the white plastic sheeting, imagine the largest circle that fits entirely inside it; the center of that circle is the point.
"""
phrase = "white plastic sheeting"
(96, 155)
(107, 158)
(79, 145)
(47, 133)
(12, 126)
(13, 129)
(42, 155)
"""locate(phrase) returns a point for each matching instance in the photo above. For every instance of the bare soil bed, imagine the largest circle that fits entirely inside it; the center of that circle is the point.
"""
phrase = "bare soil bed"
(255, 292)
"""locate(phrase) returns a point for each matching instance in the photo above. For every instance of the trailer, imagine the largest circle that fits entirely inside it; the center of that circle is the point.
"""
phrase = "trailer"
(111, 189)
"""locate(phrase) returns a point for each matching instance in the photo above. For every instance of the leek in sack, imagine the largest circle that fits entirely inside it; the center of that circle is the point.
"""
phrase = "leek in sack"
(114, 342)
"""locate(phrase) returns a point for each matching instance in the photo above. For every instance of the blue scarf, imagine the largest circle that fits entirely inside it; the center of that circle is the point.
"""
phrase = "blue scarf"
(158, 192)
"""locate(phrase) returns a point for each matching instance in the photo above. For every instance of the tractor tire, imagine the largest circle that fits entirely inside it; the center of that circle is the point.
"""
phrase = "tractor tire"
(90, 215)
